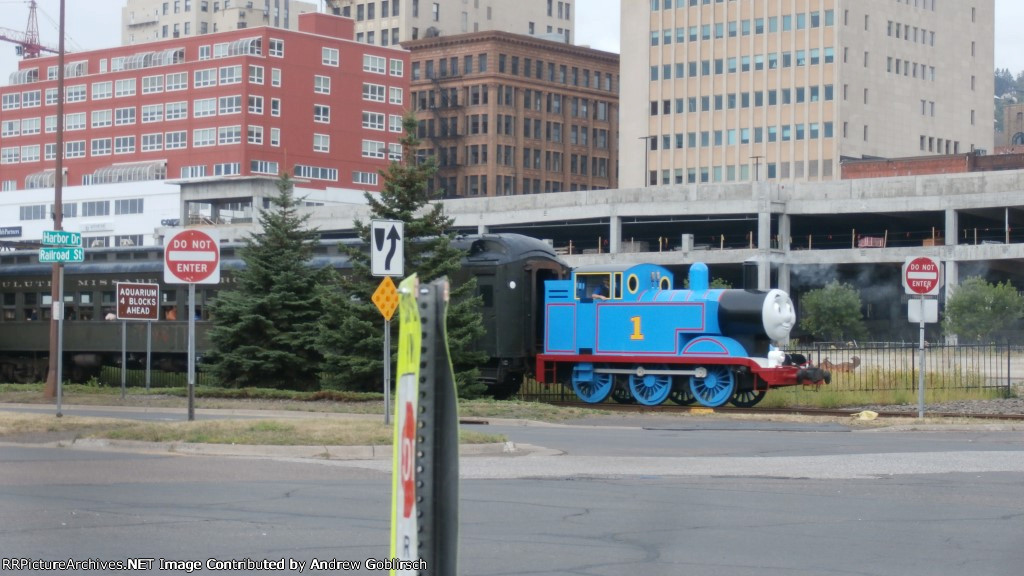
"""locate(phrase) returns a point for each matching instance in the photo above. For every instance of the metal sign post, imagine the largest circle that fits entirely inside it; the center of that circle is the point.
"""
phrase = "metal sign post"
(124, 356)
(136, 301)
(59, 308)
(921, 276)
(191, 351)
(192, 256)
(920, 371)
(386, 299)
(425, 465)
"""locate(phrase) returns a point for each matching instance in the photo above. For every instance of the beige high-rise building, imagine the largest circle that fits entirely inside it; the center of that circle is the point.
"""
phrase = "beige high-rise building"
(730, 90)
(148, 20)
(388, 22)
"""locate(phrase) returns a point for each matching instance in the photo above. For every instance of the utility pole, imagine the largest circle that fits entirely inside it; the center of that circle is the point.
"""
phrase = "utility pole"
(757, 167)
(56, 279)
(647, 151)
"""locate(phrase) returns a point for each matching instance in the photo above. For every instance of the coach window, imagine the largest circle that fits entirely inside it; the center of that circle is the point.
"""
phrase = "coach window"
(9, 306)
(85, 310)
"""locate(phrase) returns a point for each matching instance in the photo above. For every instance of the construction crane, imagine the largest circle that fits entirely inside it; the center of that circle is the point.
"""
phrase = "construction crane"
(27, 42)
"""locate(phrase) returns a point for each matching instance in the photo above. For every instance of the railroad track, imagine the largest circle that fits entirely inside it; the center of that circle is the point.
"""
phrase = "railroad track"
(848, 412)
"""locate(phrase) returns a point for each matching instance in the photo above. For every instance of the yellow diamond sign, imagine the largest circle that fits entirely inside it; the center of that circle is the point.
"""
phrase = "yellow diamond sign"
(386, 297)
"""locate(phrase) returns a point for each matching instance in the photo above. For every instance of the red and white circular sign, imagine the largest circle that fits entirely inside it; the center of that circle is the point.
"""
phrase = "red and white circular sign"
(922, 275)
(192, 256)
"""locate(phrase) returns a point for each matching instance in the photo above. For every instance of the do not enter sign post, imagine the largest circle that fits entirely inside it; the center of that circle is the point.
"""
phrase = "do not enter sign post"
(921, 276)
(192, 256)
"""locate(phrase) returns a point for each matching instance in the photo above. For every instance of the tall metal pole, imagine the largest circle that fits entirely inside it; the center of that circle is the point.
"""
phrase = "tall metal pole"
(387, 371)
(920, 372)
(60, 340)
(124, 357)
(757, 167)
(647, 151)
(191, 351)
(52, 376)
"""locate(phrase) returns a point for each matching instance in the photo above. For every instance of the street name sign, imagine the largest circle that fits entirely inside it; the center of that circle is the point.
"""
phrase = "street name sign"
(61, 238)
(137, 301)
(922, 276)
(192, 256)
(54, 255)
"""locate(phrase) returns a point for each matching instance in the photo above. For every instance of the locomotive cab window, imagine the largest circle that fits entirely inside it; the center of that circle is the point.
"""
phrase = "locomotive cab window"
(597, 286)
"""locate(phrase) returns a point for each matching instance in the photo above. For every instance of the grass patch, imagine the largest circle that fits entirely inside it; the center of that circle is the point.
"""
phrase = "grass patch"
(328, 401)
(299, 432)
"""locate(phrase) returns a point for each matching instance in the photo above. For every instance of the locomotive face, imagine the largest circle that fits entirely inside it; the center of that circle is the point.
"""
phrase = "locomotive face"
(778, 315)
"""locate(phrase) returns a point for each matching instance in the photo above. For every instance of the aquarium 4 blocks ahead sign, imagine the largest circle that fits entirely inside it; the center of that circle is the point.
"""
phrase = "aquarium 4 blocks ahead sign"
(136, 301)
(192, 256)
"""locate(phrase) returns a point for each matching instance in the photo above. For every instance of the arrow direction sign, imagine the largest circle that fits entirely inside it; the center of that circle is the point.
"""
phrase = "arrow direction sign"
(387, 254)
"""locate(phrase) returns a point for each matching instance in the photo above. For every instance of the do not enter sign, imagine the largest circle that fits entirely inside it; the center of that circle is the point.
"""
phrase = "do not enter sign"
(192, 256)
(922, 275)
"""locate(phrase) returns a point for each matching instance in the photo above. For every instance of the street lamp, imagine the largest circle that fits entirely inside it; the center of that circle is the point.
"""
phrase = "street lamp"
(757, 167)
(647, 177)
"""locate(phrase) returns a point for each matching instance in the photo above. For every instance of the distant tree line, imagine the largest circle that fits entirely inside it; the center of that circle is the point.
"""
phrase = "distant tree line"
(1009, 90)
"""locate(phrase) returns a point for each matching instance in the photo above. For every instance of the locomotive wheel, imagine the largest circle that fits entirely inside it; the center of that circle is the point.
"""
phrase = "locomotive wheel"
(714, 389)
(650, 389)
(594, 390)
(621, 393)
(747, 398)
(681, 394)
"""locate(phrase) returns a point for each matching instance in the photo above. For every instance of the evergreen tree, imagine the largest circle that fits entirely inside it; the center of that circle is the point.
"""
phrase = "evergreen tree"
(833, 313)
(352, 332)
(977, 310)
(265, 329)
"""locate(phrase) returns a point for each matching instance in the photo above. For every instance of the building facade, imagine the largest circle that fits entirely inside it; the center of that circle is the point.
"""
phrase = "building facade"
(312, 103)
(149, 20)
(735, 90)
(390, 22)
(505, 114)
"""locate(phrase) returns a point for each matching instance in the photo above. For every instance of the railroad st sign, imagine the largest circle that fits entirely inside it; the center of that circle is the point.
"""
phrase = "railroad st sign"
(192, 256)
(137, 301)
(386, 250)
(922, 276)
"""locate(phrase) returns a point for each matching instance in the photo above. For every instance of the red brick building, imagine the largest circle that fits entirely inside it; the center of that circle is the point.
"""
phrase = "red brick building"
(506, 114)
(311, 102)
(927, 165)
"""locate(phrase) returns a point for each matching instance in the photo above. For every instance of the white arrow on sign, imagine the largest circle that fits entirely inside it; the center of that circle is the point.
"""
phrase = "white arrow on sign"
(386, 248)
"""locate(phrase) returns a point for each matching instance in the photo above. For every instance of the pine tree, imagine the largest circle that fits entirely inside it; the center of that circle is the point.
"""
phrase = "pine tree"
(352, 332)
(265, 329)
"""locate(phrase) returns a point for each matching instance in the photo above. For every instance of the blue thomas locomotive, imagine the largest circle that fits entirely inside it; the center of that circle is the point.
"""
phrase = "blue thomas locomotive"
(644, 341)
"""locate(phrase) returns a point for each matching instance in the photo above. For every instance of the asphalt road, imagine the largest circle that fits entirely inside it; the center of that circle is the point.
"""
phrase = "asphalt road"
(658, 498)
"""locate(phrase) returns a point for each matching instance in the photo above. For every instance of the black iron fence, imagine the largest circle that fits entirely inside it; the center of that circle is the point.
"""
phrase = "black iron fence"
(136, 378)
(885, 366)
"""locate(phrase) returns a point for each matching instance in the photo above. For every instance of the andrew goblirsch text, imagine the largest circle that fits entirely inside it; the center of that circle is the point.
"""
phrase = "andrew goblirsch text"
(189, 566)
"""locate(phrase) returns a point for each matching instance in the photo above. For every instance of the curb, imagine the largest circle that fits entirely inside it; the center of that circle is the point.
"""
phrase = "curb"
(300, 452)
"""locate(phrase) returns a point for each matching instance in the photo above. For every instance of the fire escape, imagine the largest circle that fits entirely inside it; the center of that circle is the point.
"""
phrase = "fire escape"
(447, 139)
